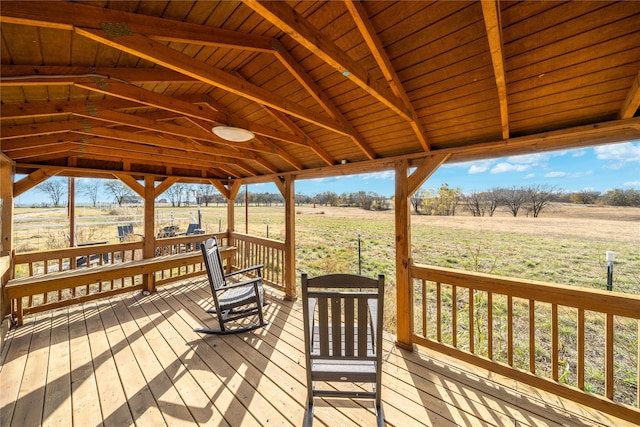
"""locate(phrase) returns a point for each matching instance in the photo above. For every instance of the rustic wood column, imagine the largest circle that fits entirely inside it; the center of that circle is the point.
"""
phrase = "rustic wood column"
(403, 257)
(71, 209)
(6, 228)
(290, 238)
(231, 213)
(149, 244)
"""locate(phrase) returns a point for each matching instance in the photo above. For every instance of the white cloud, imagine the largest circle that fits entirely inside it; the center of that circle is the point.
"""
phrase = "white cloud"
(508, 167)
(618, 154)
(530, 159)
(579, 153)
(530, 176)
(478, 169)
(631, 184)
(555, 174)
(379, 175)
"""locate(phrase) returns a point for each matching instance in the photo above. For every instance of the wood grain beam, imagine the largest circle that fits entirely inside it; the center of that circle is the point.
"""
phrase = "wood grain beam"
(370, 36)
(131, 182)
(424, 170)
(632, 101)
(31, 180)
(20, 110)
(160, 54)
(321, 98)
(286, 121)
(38, 75)
(164, 185)
(67, 15)
(491, 13)
(296, 26)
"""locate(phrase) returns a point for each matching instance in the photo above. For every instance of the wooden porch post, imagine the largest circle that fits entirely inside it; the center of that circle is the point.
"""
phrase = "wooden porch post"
(71, 209)
(406, 185)
(6, 230)
(403, 257)
(290, 238)
(149, 244)
(231, 213)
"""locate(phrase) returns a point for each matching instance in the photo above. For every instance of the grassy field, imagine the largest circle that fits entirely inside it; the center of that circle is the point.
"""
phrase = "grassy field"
(566, 245)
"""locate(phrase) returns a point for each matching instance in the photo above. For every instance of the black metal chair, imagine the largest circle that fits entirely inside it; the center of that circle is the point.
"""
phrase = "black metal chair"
(343, 336)
(232, 301)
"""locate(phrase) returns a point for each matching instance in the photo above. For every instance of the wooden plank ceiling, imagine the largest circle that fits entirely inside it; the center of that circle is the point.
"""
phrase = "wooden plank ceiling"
(112, 87)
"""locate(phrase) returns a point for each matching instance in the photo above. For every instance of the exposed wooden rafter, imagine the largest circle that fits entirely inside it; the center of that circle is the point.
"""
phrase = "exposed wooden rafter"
(632, 102)
(491, 13)
(284, 17)
(368, 32)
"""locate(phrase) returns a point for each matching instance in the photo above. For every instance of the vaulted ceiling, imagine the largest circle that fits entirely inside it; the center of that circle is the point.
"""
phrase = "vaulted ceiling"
(102, 88)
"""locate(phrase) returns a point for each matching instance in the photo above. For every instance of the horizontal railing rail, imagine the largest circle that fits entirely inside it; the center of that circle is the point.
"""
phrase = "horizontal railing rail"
(256, 250)
(568, 340)
(52, 262)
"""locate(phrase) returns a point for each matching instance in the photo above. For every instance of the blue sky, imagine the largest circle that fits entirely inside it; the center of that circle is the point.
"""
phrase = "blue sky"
(596, 168)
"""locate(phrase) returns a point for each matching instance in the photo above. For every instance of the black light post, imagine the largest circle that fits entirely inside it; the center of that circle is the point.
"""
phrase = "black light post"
(359, 257)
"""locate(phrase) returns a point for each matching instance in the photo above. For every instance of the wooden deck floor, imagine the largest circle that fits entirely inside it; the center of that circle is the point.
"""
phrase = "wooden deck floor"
(136, 360)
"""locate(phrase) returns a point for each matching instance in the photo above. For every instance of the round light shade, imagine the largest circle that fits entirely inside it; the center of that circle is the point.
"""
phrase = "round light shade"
(234, 134)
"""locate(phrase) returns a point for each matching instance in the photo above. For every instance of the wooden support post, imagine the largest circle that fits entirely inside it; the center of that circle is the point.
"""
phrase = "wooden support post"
(7, 173)
(290, 239)
(149, 246)
(404, 286)
(71, 207)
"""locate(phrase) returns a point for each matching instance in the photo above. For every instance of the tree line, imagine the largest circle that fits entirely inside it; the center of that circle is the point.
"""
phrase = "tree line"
(446, 200)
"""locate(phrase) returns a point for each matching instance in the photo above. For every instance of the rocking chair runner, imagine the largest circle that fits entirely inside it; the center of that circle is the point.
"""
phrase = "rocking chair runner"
(343, 336)
(232, 301)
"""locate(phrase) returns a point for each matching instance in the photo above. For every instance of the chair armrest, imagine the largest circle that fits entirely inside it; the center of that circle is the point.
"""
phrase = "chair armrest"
(244, 270)
(240, 284)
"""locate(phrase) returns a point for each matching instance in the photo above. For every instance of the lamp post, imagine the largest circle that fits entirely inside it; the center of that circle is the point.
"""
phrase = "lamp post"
(196, 195)
(267, 228)
(611, 256)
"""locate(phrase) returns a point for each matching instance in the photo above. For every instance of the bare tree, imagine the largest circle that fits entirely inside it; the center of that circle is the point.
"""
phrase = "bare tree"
(539, 196)
(176, 193)
(205, 191)
(55, 188)
(475, 203)
(119, 191)
(493, 200)
(514, 198)
(416, 200)
(91, 188)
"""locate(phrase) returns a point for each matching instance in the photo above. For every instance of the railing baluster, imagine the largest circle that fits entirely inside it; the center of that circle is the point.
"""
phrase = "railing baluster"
(438, 311)
(532, 336)
(608, 365)
(424, 308)
(490, 325)
(554, 341)
(472, 346)
(454, 315)
(510, 330)
(580, 349)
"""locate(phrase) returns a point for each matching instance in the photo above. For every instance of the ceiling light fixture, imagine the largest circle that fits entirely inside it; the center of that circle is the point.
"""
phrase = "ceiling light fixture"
(233, 134)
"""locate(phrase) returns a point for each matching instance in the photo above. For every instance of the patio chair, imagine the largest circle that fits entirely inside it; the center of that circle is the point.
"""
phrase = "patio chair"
(125, 232)
(232, 301)
(343, 337)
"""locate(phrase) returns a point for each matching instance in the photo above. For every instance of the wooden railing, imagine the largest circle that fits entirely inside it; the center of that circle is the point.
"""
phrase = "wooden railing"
(255, 250)
(79, 258)
(546, 335)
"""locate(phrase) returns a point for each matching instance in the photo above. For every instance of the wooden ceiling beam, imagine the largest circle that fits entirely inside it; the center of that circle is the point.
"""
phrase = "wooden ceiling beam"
(20, 110)
(322, 99)
(632, 102)
(296, 26)
(286, 121)
(370, 36)
(29, 152)
(165, 56)
(131, 182)
(32, 75)
(491, 13)
(31, 180)
(67, 15)
(48, 128)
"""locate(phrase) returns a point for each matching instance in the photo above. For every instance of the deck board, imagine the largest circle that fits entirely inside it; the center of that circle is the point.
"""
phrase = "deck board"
(136, 359)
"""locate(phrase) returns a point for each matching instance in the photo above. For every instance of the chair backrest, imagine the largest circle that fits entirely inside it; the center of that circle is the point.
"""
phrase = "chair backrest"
(213, 263)
(191, 229)
(347, 311)
(124, 230)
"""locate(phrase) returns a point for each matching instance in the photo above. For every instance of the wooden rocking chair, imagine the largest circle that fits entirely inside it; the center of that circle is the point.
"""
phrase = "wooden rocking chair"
(343, 336)
(232, 301)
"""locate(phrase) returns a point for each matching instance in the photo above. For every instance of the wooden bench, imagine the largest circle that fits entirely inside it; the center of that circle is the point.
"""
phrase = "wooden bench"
(59, 280)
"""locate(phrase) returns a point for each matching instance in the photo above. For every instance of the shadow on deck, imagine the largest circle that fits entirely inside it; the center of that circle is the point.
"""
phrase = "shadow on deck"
(135, 359)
